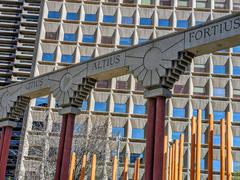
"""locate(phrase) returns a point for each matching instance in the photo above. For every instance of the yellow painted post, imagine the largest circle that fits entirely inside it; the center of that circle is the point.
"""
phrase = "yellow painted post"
(193, 150)
(228, 144)
(173, 160)
(222, 149)
(125, 170)
(170, 163)
(114, 168)
(176, 159)
(135, 170)
(165, 155)
(210, 148)
(198, 150)
(72, 167)
(82, 173)
(93, 172)
(181, 149)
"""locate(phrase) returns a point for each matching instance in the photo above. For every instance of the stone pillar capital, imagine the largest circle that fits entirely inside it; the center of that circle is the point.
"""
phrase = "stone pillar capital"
(69, 110)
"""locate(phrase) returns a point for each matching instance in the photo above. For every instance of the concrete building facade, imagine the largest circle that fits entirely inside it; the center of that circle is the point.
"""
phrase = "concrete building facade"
(74, 31)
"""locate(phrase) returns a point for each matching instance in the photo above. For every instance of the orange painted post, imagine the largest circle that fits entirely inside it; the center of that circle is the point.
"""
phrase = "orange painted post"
(181, 149)
(93, 171)
(173, 160)
(176, 159)
(170, 163)
(193, 150)
(210, 148)
(228, 144)
(222, 149)
(165, 155)
(198, 146)
(72, 167)
(134, 172)
(114, 168)
(125, 170)
(82, 173)
(138, 169)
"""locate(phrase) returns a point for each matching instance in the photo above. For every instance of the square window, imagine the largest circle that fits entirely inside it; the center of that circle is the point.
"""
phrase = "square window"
(201, 4)
(107, 40)
(236, 93)
(41, 102)
(236, 70)
(88, 39)
(109, 19)
(38, 126)
(54, 14)
(56, 127)
(125, 41)
(145, 21)
(219, 92)
(183, 3)
(84, 106)
(236, 49)
(127, 20)
(69, 37)
(100, 106)
(67, 58)
(218, 115)
(199, 68)
(49, 57)
(164, 22)
(236, 116)
(179, 112)
(35, 151)
(103, 84)
(203, 113)
(236, 166)
(118, 131)
(85, 58)
(216, 165)
(199, 90)
(72, 16)
(182, 23)
(122, 85)
(176, 135)
(216, 139)
(139, 109)
(137, 133)
(135, 156)
(121, 108)
(219, 69)
(51, 35)
(202, 164)
(236, 141)
(91, 17)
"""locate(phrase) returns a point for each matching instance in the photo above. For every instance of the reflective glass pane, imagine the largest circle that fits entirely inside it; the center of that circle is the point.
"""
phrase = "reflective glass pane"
(109, 19)
(88, 38)
(72, 16)
(66, 58)
(182, 23)
(122, 108)
(218, 115)
(91, 17)
(48, 57)
(54, 14)
(127, 20)
(69, 37)
(137, 133)
(41, 101)
(118, 131)
(100, 106)
(219, 92)
(164, 22)
(139, 109)
(179, 112)
(145, 21)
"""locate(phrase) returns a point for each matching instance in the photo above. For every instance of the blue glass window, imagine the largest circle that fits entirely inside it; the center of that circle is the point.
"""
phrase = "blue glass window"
(67, 58)
(72, 16)
(216, 165)
(218, 69)
(236, 70)
(134, 156)
(126, 41)
(164, 22)
(179, 112)
(137, 133)
(236, 166)
(236, 116)
(175, 135)
(118, 131)
(216, 139)
(84, 106)
(41, 101)
(122, 108)
(48, 57)
(77, 128)
(88, 38)
(139, 109)
(202, 164)
(142, 40)
(90, 17)
(236, 141)
(199, 22)
(85, 58)
(203, 113)
(127, 20)
(54, 14)
(219, 92)
(236, 49)
(182, 23)
(100, 106)
(69, 37)
(145, 21)
(109, 19)
(218, 115)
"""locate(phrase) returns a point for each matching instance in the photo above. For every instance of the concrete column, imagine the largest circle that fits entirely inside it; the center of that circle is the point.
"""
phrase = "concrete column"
(5, 149)
(150, 132)
(159, 139)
